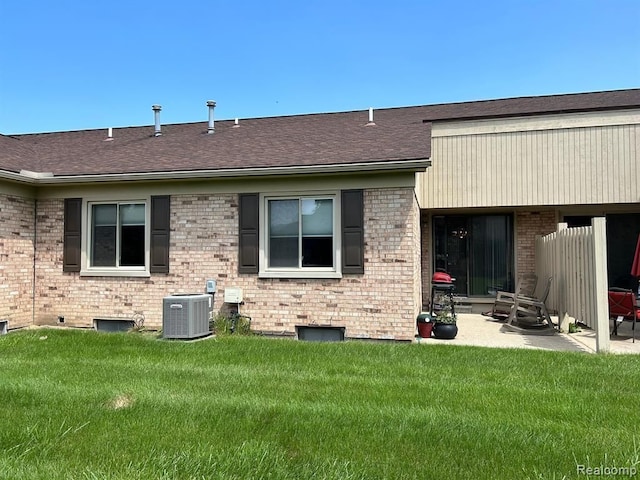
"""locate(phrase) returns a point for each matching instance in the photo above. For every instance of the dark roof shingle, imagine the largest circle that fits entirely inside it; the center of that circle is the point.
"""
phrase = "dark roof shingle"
(16, 154)
(399, 134)
(526, 106)
(304, 140)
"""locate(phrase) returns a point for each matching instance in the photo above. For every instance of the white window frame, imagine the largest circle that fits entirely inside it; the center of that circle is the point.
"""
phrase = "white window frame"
(128, 271)
(302, 272)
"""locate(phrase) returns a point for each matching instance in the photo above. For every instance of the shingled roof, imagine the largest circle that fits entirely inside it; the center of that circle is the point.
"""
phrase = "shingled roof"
(527, 106)
(301, 140)
(325, 140)
(16, 154)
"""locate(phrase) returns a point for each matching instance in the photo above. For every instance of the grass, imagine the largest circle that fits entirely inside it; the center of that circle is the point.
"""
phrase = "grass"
(86, 405)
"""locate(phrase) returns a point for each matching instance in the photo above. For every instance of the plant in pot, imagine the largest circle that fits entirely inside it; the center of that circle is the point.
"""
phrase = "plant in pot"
(445, 323)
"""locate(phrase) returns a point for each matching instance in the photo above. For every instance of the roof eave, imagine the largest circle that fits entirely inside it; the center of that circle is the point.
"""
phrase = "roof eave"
(533, 113)
(19, 177)
(413, 165)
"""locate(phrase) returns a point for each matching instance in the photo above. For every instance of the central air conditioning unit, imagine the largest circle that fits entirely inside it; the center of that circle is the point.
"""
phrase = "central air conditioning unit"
(186, 315)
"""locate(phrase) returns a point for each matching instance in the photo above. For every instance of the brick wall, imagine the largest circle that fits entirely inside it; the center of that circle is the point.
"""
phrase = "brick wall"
(529, 225)
(426, 258)
(16, 260)
(203, 246)
(204, 228)
(417, 261)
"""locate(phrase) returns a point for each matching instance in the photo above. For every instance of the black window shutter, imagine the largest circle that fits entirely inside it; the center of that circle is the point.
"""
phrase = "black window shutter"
(72, 234)
(352, 231)
(248, 213)
(160, 233)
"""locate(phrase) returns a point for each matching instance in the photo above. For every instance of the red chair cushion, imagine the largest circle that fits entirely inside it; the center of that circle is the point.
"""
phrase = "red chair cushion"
(623, 304)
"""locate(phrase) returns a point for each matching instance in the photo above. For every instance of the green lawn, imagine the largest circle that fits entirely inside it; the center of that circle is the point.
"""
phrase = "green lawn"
(86, 405)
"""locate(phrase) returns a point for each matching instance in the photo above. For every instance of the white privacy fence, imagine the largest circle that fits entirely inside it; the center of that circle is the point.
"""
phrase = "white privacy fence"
(576, 258)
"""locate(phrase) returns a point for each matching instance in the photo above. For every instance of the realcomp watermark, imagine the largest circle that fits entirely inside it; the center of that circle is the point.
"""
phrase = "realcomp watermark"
(606, 470)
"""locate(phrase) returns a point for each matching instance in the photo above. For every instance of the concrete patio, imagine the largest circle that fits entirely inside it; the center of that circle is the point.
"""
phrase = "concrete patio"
(481, 331)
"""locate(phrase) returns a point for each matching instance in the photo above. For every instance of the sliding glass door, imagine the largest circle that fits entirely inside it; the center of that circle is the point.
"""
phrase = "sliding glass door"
(477, 250)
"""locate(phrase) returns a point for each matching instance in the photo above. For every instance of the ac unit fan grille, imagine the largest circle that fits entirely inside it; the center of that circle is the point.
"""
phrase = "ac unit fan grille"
(185, 316)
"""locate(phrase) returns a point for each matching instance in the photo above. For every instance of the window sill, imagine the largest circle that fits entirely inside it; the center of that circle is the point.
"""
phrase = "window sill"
(98, 272)
(298, 274)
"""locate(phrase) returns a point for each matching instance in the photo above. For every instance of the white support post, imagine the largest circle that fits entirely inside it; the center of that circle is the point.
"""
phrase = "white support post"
(559, 278)
(603, 340)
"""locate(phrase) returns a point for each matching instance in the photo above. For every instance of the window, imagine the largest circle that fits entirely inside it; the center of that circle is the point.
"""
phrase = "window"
(299, 236)
(117, 237)
(301, 233)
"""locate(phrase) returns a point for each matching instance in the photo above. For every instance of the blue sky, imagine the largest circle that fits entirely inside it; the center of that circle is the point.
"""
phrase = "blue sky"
(71, 65)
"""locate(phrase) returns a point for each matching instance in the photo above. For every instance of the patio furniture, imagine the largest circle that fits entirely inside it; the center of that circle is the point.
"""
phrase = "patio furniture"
(529, 312)
(623, 305)
(526, 286)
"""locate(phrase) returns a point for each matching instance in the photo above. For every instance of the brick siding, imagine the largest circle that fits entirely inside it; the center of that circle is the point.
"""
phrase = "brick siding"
(425, 246)
(16, 260)
(381, 304)
(530, 225)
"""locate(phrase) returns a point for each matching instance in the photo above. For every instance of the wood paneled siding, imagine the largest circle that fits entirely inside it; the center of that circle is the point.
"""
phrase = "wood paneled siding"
(480, 164)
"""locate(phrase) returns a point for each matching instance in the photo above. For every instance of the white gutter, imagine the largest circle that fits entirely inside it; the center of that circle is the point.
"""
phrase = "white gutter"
(32, 174)
(18, 177)
(35, 178)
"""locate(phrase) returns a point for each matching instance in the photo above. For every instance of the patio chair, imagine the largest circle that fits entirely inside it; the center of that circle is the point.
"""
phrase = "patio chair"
(530, 312)
(526, 286)
(623, 305)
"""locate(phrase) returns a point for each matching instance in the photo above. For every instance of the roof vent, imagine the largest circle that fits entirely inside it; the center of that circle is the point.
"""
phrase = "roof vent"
(370, 122)
(156, 111)
(212, 129)
(109, 135)
(235, 123)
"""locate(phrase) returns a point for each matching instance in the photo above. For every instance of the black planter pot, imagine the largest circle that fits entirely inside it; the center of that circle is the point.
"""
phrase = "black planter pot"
(445, 330)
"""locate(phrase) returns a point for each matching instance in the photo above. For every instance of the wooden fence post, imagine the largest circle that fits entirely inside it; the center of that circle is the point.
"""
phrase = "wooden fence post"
(559, 276)
(603, 340)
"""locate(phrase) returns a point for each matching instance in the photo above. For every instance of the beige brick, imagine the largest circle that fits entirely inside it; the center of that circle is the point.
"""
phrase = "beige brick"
(529, 225)
(382, 303)
(17, 232)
